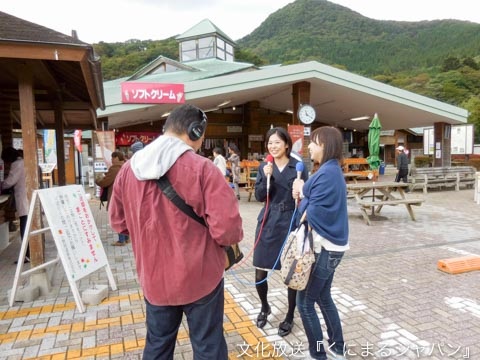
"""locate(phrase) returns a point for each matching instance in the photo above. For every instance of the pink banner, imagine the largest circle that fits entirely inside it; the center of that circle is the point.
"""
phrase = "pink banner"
(77, 139)
(152, 93)
(296, 133)
(106, 143)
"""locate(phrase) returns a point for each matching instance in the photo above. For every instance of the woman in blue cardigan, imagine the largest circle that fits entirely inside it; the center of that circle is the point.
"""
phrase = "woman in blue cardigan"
(324, 198)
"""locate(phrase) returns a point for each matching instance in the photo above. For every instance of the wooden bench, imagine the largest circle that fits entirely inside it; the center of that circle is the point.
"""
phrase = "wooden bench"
(359, 167)
(442, 177)
(379, 203)
(249, 170)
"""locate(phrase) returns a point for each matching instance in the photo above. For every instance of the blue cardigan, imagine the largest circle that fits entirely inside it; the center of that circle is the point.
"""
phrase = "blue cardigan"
(326, 203)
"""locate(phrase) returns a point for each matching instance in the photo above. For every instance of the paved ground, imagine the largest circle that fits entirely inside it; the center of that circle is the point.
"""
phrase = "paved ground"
(393, 301)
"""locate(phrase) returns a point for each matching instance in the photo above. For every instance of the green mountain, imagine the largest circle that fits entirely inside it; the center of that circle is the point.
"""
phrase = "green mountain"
(439, 59)
(332, 34)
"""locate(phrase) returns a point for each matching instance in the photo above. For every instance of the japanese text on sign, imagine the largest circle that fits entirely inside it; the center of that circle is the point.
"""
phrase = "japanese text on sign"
(152, 93)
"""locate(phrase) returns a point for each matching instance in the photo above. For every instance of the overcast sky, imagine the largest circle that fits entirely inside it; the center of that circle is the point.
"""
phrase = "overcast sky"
(121, 20)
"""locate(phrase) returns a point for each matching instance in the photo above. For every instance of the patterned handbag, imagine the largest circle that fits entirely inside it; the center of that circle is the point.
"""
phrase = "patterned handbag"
(298, 256)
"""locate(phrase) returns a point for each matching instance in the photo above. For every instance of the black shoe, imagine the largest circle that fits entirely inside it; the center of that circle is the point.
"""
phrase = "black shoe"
(262, 318)
(238, 197)
(285, 328)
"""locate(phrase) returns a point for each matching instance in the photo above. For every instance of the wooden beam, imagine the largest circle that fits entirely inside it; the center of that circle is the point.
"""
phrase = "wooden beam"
(89, 77)
(29, 136)
(38, 51)
(59, 131)
(66, 105)
(300, 96)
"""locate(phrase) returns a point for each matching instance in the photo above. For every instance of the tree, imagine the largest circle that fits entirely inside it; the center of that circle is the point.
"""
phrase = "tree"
(451, 63)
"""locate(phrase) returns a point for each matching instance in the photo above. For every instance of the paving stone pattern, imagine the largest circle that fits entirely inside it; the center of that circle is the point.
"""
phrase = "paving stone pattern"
(393, 301)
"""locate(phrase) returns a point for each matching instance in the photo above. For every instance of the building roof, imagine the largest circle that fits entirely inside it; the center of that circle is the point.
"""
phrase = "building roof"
(336, 95)
(202, 29)
(195, 71)
(64, 69)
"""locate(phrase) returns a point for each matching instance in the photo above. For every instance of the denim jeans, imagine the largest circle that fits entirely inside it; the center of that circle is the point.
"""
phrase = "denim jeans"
(205, 325)
(122, 238)
(318, 291)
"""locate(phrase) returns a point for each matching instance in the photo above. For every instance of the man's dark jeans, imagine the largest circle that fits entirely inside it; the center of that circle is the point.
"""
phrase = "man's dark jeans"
(205, 325)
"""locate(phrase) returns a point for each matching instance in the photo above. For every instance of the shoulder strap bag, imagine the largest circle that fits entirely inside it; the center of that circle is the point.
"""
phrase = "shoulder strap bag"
(298, 256)
(232, 252)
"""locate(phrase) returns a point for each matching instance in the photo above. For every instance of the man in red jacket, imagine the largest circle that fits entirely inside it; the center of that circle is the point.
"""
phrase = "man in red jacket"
(180, 263)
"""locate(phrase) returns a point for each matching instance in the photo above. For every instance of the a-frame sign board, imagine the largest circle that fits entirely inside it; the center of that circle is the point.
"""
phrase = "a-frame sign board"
(70, 220)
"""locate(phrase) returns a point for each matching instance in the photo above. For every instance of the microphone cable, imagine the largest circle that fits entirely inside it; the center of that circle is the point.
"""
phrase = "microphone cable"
(270, 271)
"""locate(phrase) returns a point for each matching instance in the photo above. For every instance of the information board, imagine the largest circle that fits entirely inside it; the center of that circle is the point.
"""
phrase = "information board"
(75, 233)
(74, 230)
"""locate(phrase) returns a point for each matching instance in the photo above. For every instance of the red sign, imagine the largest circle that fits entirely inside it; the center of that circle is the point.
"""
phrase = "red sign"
(126, 138)
(77, 139)
(296, 133)
(152, 93)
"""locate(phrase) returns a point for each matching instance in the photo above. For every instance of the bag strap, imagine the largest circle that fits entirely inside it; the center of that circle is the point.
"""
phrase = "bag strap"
(308, 230)
(167, 188)
(304, 217)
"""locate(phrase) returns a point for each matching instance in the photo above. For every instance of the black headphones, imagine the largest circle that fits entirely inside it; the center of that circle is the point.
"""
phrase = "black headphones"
(198, 127)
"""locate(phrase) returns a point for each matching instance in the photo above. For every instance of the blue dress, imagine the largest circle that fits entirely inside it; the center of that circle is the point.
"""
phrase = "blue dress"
(279, 213)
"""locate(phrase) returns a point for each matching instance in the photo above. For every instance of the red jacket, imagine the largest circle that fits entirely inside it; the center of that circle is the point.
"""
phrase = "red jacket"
(178, 260)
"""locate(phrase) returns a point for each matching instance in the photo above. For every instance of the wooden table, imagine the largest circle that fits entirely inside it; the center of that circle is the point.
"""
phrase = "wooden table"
(351, 177)
(388, 193)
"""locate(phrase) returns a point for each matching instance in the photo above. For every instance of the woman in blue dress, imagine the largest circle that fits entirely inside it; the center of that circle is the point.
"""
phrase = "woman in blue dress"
(278, 212)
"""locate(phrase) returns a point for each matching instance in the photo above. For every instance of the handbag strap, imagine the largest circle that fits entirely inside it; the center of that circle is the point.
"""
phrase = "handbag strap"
(165, 185)
(308, 230)
(304, 217)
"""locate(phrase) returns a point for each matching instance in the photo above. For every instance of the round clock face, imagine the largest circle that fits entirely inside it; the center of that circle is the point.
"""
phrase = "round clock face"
(306, 114)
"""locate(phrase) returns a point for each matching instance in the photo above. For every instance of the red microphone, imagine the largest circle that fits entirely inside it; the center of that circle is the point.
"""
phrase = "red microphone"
(269, 162)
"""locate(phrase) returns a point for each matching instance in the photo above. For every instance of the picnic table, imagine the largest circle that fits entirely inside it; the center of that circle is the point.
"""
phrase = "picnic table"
(389, 193)
(351, 177)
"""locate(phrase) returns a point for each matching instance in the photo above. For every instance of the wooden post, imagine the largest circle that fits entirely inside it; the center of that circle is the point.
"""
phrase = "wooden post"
(442, 144)
(59, 129)
(301, 95)
(29, 136)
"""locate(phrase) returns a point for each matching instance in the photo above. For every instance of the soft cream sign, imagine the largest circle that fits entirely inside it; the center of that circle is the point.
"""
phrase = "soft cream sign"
(152, 93)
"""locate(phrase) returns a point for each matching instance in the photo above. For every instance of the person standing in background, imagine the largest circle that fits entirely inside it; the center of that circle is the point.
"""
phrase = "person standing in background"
(234, 159)
(16, 180)
(106, 183)
(324, 198)
(281, 206)
(220, 161)
(402, 165)
(180, 262)
(136, 146)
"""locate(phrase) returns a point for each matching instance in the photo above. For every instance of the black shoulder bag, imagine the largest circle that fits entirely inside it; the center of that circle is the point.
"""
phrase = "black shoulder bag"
(233, 252)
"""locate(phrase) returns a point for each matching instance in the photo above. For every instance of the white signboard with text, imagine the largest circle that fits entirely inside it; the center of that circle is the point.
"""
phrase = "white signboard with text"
(74, 230)
(461, 140)
(69, 219)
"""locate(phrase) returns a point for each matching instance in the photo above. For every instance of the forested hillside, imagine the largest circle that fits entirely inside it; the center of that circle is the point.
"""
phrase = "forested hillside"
(320, 30)
(438, 59)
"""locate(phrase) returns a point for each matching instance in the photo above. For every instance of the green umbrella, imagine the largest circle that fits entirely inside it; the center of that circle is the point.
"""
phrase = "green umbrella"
(374, 143)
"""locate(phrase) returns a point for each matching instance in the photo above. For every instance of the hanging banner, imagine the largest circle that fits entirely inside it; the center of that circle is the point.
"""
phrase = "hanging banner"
(126, 138)
(50, 146)
(106, 143)
(77, 139)
(152, 93)
(296, 133)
